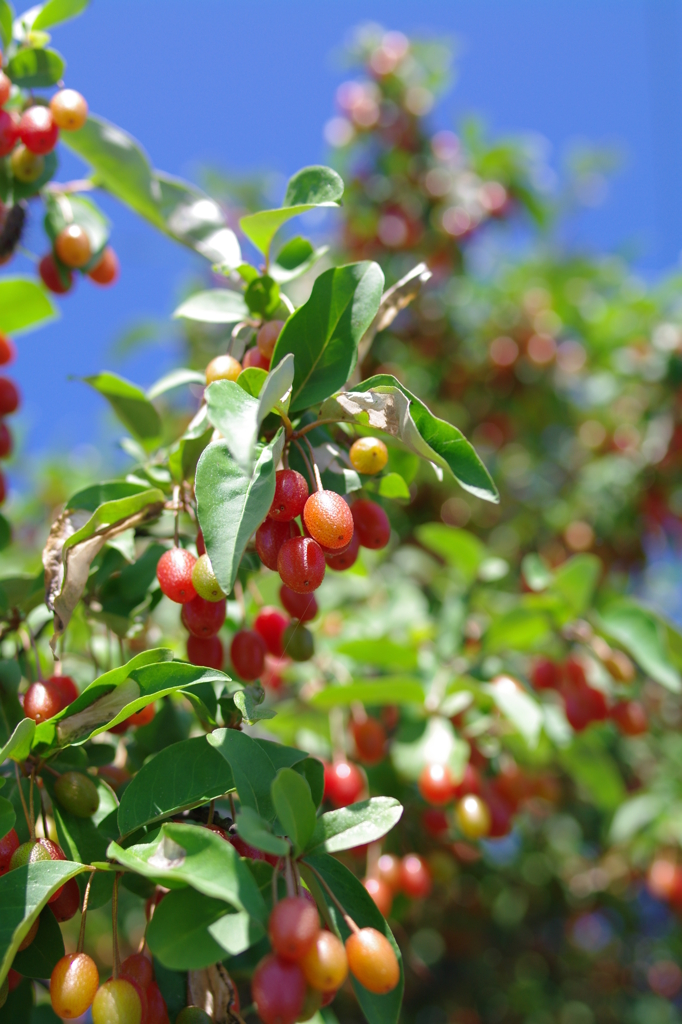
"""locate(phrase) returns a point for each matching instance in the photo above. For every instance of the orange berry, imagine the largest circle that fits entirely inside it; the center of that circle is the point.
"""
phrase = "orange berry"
(72, 246)
(381, 893)
(69, 110)
(328, 519)
(325, 964)
(372, 960)
(368, 455)
(107, 270)
(266, 339)
(73, 985)
(223, 368)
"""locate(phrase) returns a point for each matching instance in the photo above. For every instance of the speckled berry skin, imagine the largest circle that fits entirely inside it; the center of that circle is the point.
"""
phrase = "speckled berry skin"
(291, 494)
(174, 573)
(301, 564)
(329, 520)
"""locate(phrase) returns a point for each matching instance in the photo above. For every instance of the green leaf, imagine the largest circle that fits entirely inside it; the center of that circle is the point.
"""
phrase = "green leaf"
(18, 746)
(252, 710)
(175, 379)
(34, 68)
(393, 486)
(217, 306)
(56, 11)
(239, 416)
(232, 504)
(40, 959)
(459, 548)
(181, 776)
(417, 742)
(355, 825)
(185, 931)
(312, 771)
(130, 404)
(575, 582)
(197, 221)
(6, 21)
(361, 907)
(591, 766)
(23, 303)
(536, 572)
(262, 296)
(522, 629)
(252, 769)
(323, 334)
(518, 707)
(7, 816)
(295, 258)
(90, 498)
(383, 653)
(634, 815)
(179, 854)
(252, 380)
(308, 189)
(383, 403)
(643, 635)
(258, 832)
(23, 894)
(314, 186)
(294, 807)
(374, 693)
(5, 533)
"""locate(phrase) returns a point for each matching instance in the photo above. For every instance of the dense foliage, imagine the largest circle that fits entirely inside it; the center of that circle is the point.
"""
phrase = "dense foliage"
(270, 713)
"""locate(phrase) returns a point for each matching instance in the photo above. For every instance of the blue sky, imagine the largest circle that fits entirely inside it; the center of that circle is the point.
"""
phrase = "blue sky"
(249, 87)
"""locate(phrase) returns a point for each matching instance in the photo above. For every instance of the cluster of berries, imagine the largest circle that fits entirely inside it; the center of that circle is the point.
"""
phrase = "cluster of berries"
(9, 403)
(309, 964)
(27, 137)
(585, 704)
(409, 875)
(133, 996)
(47, 697)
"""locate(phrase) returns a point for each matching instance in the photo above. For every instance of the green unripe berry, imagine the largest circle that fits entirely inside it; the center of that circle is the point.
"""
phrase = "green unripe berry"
(26, 166)
(204, 580)
(298, 642)
(192, 1015)
(77, 794)
(28, 853)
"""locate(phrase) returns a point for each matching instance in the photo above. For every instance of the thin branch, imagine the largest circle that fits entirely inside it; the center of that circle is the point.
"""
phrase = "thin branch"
(318, 478)
(312, 426)
(347, 918)
(86, 897)
(309, 468)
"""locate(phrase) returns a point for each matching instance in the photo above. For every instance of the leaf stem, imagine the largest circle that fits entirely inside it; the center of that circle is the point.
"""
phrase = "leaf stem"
(318, 478)
(312, 426)
(275, 873)
(86, 897)
(287, 423)
(309, 468)
(347, 918)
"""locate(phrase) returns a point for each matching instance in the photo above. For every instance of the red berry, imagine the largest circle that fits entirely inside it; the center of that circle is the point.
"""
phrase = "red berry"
(415, 877)
(5, 440)
(255, 358)
(42, 701)
(270, 623)
(107, 270)
(157, 1011)
(267, 336)
(247, 653)
(272, 673)
(370, 740)
(270, 536)
(37, 130)
(293, 926)
(174, 573)
(291, 494)
(436, 785)
(55, 281)
(381, 893)
(435, 822)
(66, 687)
(205, 651)
(8, 352)
(9, 396)
(371, 523)
(300, 606)
(344, 559)
(301, 564)
(575, 673)
(328, 519)
(630, 717)
(546, 675)
(389, 870)
(343, 783)
(278, 989)
(201, 546)
(68, 903)
(501, 813)
(9, 132)
(8, 844)
(3, 489)
(137, 967)
(203, 618)
(5, 88)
